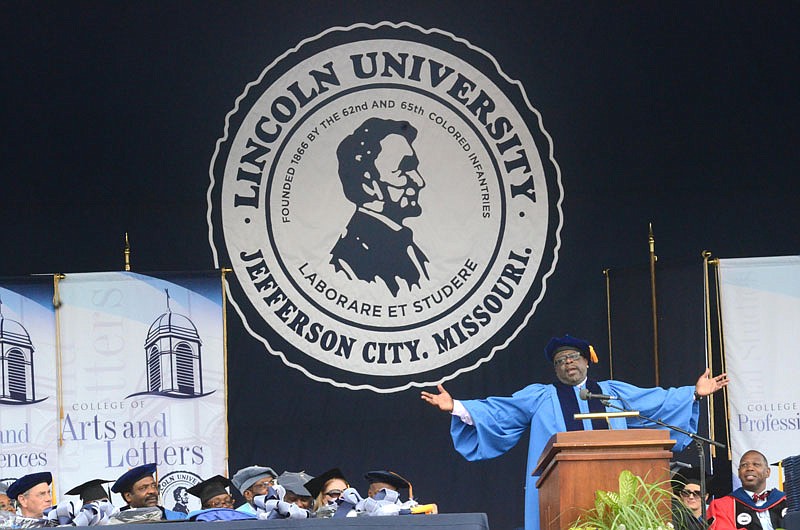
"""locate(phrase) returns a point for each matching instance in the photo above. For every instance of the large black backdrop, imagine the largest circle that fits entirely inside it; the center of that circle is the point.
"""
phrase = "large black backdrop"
(679, 114)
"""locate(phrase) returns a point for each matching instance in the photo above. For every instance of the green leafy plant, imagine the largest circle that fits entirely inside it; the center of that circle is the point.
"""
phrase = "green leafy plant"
(638, 505)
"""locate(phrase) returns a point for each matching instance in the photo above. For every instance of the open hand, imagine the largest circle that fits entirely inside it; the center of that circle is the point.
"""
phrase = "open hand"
(708, 385)
(442, 400)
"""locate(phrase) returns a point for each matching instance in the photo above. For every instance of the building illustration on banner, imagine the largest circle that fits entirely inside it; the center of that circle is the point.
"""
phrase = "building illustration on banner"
(173, 357)
(17, 385)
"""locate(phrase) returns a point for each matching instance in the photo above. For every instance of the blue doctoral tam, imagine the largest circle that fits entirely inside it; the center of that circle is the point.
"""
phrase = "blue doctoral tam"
(129, 478)
(23, 484)
(557, 344)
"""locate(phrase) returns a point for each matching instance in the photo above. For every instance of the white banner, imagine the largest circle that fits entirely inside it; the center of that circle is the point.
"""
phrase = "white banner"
(760, 299)
(28, 400)
(143, 373)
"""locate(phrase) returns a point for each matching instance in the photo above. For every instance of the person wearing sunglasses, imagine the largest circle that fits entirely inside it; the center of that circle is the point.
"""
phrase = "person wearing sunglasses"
(487, 428)
(326, 489)
(688, 508)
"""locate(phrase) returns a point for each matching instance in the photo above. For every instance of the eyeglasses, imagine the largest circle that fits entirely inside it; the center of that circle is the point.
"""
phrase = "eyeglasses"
(263, 484)
(690, 493)
(226, 502)
(574, 356)
(333, 494)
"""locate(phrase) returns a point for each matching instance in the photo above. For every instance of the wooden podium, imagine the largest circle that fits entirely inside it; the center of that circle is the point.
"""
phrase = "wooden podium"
(575, 464)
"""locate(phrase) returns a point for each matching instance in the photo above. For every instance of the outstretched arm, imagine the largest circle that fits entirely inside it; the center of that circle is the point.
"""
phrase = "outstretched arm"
(443, 401)
(708, 385)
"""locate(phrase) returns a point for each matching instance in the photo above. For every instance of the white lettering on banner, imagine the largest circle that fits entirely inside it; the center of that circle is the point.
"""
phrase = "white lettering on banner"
(108, 372)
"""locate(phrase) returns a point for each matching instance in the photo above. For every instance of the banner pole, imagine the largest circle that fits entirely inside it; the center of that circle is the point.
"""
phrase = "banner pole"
(723, 364)
(653, 258)
(606, 273)
(224, 271)
(709, 343)
(59, 388)
(127, 253)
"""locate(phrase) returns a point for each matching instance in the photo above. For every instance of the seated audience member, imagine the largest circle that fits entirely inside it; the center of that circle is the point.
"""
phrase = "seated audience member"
(688, 512)
(6, 504)
(216, 501)
(326, 489)
(383, 496)
(296, 492)
(139, 489)
(91, 491)
(279, 504)
(213, 493)
(32, 493)
(94, 509)
(752, 506)
(252, 481)
(389, 480)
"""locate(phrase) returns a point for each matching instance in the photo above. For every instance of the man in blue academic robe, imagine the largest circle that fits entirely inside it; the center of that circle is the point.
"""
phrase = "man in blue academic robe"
(489, 427)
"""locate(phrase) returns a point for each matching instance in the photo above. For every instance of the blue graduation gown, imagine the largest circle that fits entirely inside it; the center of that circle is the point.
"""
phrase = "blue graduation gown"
(499, 422)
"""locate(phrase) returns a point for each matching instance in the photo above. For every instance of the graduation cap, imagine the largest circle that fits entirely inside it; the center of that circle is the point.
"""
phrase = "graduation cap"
(247, 476)
(315, 485)
(23, 484)
(129, 478)
(295, 482)
(210, 488)
(91, 490)
(389, 477)
(566, 342)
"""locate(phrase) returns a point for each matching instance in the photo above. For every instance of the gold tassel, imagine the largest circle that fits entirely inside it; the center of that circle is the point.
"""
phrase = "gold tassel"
(592, 354)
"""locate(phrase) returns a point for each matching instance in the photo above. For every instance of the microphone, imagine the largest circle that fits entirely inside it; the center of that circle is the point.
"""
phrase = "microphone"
(586, 395)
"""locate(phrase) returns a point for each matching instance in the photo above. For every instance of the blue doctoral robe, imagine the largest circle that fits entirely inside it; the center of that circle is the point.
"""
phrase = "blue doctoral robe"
(171, 515)
(499, 422)
(247, 508)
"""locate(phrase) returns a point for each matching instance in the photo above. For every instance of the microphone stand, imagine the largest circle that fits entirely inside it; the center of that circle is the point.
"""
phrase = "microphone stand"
(698, 440)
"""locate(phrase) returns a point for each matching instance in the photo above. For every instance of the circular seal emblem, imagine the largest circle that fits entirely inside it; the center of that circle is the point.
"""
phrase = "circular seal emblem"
(390, 206)
(744, 519)
(174, 487)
